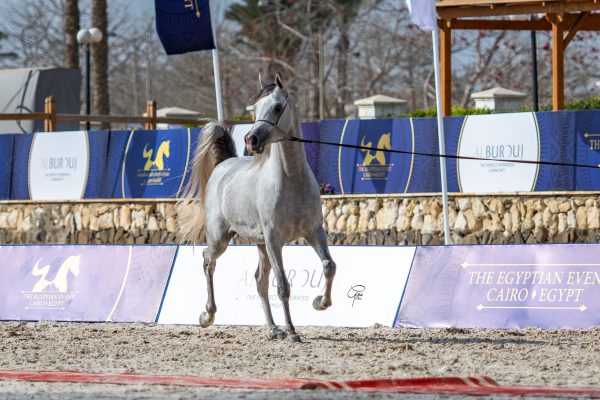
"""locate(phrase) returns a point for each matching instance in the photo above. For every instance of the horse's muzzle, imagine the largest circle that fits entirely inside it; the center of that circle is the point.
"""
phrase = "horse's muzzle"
(252, 143)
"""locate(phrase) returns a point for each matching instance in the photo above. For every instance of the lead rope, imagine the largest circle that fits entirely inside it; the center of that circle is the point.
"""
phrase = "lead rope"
(450, 156)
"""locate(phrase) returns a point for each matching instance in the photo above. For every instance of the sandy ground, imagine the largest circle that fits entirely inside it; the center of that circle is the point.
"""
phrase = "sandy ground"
(525, 357)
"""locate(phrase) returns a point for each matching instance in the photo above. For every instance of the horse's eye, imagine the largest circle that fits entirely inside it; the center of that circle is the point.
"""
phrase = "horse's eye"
(278, 108)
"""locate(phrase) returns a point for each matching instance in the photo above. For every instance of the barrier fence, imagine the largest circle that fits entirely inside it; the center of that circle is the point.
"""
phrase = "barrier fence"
(485, 286)
(155, 163)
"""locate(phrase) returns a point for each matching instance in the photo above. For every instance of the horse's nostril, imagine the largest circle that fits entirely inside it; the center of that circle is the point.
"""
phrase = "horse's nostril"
(254, 140)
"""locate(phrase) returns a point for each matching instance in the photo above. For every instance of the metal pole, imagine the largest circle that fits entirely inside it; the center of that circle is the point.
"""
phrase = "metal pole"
(534, 75)
(435, 34)
(217, 72)
(88, 96)
(216, 66)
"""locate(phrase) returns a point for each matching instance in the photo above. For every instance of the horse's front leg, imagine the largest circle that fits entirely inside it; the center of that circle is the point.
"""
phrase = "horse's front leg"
(210, 255)
(274, 246)
(262, 285)
(318, 241)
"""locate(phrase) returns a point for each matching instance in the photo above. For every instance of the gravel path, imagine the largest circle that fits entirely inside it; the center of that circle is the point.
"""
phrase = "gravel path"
(525, 357)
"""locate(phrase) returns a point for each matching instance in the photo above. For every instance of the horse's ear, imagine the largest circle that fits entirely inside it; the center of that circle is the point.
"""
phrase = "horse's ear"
(278, 81)
(262, 83)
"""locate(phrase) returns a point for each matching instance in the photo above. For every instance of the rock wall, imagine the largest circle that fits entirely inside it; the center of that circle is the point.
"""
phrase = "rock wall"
(525, 218)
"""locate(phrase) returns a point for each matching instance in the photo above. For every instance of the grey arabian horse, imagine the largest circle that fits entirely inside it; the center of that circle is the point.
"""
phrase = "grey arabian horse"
(270, 199)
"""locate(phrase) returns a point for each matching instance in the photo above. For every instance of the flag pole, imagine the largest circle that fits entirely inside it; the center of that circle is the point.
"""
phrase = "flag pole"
(217, 73)
(435, 35)
(217, 70)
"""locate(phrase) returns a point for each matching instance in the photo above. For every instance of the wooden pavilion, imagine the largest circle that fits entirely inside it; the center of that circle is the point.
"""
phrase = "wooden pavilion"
(563, 17)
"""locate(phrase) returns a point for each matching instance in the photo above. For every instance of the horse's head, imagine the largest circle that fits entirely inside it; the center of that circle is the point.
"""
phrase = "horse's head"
(276, 116)
(166, 145)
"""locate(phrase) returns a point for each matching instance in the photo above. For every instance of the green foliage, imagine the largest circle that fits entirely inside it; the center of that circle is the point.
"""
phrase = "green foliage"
(240, 118)
(456, 111)
(593, 103)
(588, 104)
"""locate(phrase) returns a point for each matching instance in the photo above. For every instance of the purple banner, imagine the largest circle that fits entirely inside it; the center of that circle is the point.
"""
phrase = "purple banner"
(520, 286)
(83, 283)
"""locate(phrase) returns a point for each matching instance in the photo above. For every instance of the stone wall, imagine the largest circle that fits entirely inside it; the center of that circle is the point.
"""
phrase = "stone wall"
(404, 219)
(88, 222)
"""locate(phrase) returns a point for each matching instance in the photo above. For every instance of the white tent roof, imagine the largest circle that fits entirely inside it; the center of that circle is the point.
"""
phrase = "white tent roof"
(176, 112)
(378, 99)
(497, 92)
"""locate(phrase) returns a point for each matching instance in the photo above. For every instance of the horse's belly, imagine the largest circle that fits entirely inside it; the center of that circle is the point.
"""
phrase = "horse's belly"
(249, 234)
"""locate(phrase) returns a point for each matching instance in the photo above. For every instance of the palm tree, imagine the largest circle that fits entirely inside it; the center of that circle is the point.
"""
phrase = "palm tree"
(71, 27)
(100, 60)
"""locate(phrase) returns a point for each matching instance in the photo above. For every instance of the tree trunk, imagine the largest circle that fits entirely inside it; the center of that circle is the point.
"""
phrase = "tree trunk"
(100, 60)
(344, 92)
(313, 59)
(71, 27)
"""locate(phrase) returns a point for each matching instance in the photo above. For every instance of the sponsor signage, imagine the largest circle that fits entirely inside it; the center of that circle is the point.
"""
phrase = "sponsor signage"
(498, 137)
(587, 134)
(58, 165)
(83, 283)
(155, 163)
(502, 287)
(366, 290)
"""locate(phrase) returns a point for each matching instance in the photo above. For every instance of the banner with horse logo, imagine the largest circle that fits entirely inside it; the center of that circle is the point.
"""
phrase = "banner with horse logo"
(83, 283)
(371, 169)
(153, 164)
(59, 165)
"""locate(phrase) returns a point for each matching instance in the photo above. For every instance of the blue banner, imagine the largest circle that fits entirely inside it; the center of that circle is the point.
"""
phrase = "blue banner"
(152, 164)
(184, 25)
(586, 128)
(6, 163)
(351, 170)
(310, 131)
(59, 165)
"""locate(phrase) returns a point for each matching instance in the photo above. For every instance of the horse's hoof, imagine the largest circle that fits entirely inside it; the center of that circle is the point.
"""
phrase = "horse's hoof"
(206, 319)
(277, 333)
(318, 303)
(294, 338)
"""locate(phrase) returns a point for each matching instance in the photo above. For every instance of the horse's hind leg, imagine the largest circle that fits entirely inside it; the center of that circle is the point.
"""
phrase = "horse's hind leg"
(318, 241)
(211, 253)
(283, 286)
(262, 285)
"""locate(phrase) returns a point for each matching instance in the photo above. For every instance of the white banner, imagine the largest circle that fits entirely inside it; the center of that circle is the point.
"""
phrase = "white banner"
(498, 137)
(367, 287)
(237, 133)
(58, 165)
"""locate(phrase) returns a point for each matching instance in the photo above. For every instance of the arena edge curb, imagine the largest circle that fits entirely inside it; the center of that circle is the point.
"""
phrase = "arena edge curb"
(474, 386)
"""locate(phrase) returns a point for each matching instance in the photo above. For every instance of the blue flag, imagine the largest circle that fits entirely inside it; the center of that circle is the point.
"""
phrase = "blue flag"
(184, 25)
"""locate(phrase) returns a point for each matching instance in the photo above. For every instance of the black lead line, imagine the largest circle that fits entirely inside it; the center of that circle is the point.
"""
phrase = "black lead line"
(455, 157)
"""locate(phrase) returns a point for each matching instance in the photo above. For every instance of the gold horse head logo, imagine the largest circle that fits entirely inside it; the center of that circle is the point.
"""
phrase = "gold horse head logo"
(60, 282)
(378, 155)
(162, 153)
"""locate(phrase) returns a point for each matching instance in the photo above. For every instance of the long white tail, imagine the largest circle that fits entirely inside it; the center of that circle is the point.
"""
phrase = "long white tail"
(215, 146)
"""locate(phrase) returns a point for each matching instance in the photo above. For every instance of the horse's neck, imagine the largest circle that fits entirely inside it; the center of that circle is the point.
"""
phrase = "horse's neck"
(290, 156)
